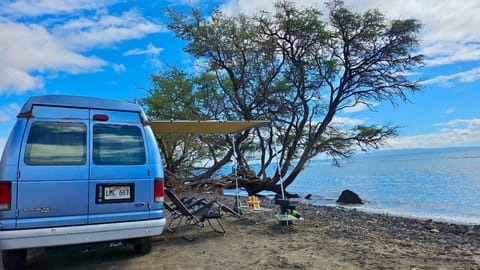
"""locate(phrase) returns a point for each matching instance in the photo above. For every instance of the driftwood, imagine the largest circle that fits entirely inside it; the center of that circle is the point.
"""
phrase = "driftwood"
(244, 177)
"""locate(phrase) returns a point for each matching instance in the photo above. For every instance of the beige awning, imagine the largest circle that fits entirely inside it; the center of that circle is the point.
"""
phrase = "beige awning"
(203, 127)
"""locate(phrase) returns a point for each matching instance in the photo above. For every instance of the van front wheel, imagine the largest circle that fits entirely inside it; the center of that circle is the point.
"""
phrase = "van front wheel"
(142, 246)
(14, 259)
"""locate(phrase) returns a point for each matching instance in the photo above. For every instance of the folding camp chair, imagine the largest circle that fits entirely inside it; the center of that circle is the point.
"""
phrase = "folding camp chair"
(196, 218)
(176, 215)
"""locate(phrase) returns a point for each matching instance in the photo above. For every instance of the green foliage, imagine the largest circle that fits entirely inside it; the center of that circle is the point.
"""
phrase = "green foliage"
(177, 96)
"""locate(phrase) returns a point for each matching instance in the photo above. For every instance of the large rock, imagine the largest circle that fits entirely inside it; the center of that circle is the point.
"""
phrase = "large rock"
(349, 197)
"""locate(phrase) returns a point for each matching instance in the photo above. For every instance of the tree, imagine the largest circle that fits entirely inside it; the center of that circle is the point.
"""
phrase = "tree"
(176, 95)
(298, 71)
(174, 87)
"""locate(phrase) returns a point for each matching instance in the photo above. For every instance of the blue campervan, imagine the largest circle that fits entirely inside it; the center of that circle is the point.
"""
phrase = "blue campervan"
(79, 170)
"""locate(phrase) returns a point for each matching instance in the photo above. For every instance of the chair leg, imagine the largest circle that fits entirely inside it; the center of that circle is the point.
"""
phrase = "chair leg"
(171, 228)
(218, 229)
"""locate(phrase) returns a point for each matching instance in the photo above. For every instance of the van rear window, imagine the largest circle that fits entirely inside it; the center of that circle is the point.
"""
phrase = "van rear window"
(56, 143)
(118, 145)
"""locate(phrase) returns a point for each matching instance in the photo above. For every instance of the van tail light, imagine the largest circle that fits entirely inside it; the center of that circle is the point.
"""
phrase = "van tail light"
(5, 195)
(158, 190)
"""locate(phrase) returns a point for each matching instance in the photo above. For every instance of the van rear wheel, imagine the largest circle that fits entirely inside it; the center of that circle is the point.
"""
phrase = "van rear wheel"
(142, 246)
(14, 259)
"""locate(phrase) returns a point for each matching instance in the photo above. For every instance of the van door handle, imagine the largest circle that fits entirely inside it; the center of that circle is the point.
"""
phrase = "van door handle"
(140, 204)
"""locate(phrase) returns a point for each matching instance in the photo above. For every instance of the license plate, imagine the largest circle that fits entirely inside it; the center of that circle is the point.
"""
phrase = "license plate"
(117, 193)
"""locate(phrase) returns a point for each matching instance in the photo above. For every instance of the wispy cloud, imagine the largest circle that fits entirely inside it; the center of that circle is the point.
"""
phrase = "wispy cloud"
(346, 121)
(457, 132)
(360, 106)
(450, 80)
(471, 124)
(451, 52)
(7, 113)
(449, 111)
(49, 7)
(435, 140)
(119, 68)
(105, 30)
(152, 56)
(151, 49)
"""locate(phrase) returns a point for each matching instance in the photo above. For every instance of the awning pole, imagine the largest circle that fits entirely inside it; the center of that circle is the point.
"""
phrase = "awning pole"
(235, 171)
(278, 168)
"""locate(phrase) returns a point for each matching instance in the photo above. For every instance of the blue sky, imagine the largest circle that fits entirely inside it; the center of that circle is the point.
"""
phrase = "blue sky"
(109, 49)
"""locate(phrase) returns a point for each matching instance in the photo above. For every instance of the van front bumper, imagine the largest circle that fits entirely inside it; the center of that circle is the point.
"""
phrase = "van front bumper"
(57, 236)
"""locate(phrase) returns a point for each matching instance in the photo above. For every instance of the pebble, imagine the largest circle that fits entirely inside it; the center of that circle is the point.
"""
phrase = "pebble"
(442, 241)
(426, 239)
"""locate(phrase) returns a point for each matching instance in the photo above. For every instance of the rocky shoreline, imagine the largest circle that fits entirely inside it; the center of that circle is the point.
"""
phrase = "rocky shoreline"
(430, 242)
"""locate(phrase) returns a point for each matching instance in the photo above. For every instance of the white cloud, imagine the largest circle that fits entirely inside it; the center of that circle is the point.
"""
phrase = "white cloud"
(435, 140)
(458, 132)
(449, 80)
(26, 51)
(451, 52)
(16, 80)
(361, 106)
(251, 6)
(153, 62)
(61, 40)
(151, 49)
(4, 117)
(449, 111)
(470, 124)
(449, 33)
(152, 56)
(105, 30)
(119, 68)
(346, 121)
(42, 7)
(8, 113)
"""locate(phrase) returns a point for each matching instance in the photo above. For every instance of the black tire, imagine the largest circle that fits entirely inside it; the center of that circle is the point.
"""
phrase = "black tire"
(15, 259)
(142, 246)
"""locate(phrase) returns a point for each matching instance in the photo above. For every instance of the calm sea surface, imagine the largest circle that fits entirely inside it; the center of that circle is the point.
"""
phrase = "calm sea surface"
(438, 184)
(441, 184)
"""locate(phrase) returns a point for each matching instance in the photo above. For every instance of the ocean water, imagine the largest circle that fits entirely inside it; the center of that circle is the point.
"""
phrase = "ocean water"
(438, 184)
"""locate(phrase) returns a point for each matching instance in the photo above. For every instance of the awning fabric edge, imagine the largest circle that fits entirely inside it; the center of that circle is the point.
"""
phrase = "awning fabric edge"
(163, 127)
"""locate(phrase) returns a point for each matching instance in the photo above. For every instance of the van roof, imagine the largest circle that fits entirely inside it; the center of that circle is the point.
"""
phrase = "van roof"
(81, 102)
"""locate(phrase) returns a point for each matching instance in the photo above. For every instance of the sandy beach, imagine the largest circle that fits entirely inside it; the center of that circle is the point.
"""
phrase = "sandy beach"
(327, 238)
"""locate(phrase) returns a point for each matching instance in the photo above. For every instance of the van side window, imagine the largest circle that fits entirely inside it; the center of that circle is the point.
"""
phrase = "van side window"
(118, 145)
(56, 143)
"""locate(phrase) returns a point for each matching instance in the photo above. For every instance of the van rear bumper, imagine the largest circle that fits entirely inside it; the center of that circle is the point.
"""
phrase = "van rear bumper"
(58, 236)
